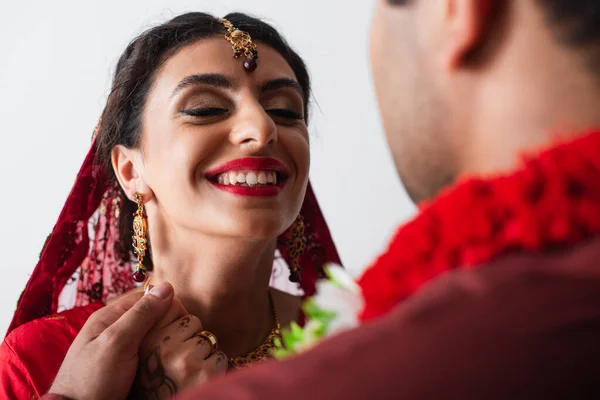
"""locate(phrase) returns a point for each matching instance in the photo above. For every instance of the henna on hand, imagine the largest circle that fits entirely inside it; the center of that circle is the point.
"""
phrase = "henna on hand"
(201, 340)
(185, 322)
(152, 381)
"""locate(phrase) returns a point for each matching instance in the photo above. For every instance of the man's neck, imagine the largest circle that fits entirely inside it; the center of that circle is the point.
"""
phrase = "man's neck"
(534, 94)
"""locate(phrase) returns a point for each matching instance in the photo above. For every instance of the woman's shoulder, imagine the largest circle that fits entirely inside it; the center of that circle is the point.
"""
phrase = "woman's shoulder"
(31, 354)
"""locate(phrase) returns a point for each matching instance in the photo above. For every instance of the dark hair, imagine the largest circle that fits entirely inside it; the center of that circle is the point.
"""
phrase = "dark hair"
(134, 76)
(577, 22)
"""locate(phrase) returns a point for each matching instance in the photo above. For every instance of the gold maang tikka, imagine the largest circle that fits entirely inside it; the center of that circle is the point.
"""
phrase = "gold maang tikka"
(242, 45)
(140, 241)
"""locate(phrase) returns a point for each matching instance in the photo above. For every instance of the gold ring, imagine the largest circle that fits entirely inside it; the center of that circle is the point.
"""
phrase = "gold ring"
(212, 339)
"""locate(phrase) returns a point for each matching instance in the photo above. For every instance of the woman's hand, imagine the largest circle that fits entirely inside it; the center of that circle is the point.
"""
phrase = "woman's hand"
(176, 354)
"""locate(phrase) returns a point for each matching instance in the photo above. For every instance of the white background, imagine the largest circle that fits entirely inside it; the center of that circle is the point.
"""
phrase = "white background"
(56, 60)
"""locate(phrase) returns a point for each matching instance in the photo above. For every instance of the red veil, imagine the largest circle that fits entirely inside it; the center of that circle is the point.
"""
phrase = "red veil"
(78, 264)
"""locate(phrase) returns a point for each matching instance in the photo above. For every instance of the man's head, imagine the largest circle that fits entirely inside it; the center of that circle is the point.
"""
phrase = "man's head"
(465, 86)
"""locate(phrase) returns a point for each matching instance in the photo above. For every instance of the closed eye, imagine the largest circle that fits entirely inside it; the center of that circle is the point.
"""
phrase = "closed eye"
(284, 113)
(205, 112)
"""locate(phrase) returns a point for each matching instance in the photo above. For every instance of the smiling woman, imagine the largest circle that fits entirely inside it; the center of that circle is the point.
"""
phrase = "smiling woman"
(203, 158)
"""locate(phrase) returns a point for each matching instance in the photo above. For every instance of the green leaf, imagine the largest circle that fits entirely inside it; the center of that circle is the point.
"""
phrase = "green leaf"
(321, 331)
(280, 351)
(282, 354)
(296, 330)
(292, 336)
(313, 311)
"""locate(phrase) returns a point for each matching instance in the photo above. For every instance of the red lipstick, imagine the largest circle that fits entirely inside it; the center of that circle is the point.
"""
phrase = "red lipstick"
(252, 164)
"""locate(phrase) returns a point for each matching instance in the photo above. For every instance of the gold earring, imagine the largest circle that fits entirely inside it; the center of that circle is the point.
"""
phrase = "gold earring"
(139, 238)
(296, 245)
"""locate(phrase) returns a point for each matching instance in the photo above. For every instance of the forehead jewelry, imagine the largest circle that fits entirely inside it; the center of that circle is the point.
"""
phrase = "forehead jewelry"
(242, 45)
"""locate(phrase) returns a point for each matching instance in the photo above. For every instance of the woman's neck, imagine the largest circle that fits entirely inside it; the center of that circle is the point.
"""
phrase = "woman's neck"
(224, 282)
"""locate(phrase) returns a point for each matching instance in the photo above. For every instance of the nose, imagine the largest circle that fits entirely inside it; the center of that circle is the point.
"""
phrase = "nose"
(253, 127)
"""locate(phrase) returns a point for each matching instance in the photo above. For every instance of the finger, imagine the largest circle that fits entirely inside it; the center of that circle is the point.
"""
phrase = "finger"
(199, 345)
(106, 316)
(129, 330)
(176, 311)
(160, 333)
(187, 358)
(183, 328)
(217, 364)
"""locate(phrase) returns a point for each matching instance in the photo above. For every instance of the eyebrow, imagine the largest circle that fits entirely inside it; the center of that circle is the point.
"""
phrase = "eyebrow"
(280, 83)
(222, 82)
(216, 80)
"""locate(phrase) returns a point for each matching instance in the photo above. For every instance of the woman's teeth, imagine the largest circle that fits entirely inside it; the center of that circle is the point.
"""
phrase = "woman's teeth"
(248, 178)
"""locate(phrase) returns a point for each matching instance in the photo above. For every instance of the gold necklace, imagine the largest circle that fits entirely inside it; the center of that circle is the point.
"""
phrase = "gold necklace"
(264, 351)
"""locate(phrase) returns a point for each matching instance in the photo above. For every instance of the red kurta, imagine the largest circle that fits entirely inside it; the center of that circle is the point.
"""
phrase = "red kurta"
(32, 354)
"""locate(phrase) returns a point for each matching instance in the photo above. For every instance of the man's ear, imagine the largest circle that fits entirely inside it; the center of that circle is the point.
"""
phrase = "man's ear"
(466, 24)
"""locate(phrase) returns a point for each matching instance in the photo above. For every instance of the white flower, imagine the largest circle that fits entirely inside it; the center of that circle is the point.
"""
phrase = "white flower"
(341, 296)
(339, 276)
(334, 309)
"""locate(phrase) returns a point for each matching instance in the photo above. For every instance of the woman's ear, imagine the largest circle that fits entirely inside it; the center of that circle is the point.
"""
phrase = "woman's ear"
(128, 167)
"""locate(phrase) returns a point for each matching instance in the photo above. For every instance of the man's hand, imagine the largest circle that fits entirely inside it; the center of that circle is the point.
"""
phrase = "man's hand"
(102, 361)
